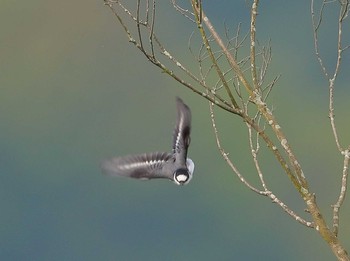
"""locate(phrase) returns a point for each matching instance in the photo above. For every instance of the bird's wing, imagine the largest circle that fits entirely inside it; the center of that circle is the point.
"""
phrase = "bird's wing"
(181, 138)
(143, 166)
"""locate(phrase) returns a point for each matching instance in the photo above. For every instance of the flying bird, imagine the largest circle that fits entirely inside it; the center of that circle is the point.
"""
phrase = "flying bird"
(174, 166)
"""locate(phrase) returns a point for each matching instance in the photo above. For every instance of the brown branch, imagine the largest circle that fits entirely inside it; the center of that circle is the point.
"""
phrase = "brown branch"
(321, 226)
(227, 159)
(198, 15)
(342, 194)
(331, 77)
(264, 110)
(151, 57)
(257, 96)
(253, 66)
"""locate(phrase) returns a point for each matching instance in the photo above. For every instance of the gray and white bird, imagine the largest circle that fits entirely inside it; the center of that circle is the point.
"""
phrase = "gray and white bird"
(174, 166)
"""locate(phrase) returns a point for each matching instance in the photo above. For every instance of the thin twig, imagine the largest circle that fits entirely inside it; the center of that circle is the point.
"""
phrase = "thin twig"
(331, 77)
(151, 33)
(225, 155)
(301, 185)
(198, 14)
(254, 13)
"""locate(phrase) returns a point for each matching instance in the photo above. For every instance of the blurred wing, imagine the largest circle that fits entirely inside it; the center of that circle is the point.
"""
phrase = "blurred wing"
(143, 166)
(181, 139)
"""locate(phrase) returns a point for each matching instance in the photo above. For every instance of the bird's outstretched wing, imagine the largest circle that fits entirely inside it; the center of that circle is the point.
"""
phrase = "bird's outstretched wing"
(142, 166)
(181, 138)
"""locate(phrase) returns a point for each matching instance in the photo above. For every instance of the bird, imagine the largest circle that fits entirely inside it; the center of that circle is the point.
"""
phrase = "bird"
(173, 165)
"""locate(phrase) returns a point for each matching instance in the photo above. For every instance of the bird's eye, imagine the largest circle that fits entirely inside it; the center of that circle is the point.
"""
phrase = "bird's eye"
(188, 141)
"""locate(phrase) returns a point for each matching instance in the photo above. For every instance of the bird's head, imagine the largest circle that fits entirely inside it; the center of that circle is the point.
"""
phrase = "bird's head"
(183, 175)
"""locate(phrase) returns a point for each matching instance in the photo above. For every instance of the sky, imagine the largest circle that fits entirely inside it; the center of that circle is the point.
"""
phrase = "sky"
(74, 91)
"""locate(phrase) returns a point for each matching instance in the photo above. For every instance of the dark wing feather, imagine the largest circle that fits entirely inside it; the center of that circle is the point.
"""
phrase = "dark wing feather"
(181, 139)
(143, 166)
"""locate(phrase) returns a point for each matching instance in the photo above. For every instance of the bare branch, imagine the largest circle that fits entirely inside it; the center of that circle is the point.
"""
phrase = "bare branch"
(342, 194)
(268, 193)
(237, 85)
(290, 212)
(331, 77)
(316, 24)
(198, 14)
(151, 33)
(253, 66)
(151, 56)
(227, 159)
(185, 12)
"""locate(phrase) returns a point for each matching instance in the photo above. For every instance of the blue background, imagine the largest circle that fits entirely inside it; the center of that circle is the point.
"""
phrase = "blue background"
(74, 91)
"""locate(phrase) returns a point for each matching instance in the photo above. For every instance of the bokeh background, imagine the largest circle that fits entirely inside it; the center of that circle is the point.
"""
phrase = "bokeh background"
(74, 91)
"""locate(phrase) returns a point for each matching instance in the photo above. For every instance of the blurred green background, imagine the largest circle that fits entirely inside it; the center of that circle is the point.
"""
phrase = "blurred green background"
(74, 91)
